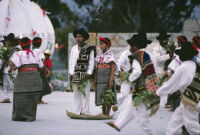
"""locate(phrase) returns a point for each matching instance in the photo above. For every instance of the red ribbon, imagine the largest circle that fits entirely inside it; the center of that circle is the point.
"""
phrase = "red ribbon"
(28, 51)
(195, 47)
(197, 39)
(37, 41)
(103, 39)
(182, 40)
(24, 44)
(33, 32)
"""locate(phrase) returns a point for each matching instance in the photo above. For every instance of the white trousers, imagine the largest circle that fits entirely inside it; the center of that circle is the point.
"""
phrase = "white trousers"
(124, 91)
(184, 116)
(82, 103)
(7, 83)
(130, 112)
(7, 87)
(3, 94)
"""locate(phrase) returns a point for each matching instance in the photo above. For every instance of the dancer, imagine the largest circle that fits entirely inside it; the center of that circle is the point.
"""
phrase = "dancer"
(186, 80)
(143, 73)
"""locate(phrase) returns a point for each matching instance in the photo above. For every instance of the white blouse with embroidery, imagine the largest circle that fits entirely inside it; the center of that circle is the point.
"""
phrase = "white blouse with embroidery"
(106, 57)
(20, 58)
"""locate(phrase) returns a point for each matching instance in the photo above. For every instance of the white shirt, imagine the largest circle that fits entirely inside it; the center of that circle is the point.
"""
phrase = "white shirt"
(180, 80)
(74, 55)
(124, 61)
(39, 53)
(107, 57)
(20, 58)
(160, 54)
(174, 64)
(198, 57)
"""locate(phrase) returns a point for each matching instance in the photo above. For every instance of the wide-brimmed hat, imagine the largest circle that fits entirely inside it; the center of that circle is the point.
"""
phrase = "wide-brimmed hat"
(48, 52)
(140, 40)
(83, 32)
(162, 36)
(130, 41)
(187, 51)
(10, 37)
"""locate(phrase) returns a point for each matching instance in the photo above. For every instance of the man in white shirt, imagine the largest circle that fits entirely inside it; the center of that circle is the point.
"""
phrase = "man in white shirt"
(4, 98)
(141, 66)
(7, 82)
(125, 66)
(187, 112)
(160, 53)
(81, 66)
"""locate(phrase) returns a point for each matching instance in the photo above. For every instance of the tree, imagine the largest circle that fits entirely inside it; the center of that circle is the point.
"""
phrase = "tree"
(118, 16)
(141, 15)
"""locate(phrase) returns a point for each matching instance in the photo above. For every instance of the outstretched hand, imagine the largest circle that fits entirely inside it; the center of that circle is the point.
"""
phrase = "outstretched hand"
(87, 76)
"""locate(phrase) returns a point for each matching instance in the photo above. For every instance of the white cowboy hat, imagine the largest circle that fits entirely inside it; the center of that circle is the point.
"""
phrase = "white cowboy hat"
(48, 52)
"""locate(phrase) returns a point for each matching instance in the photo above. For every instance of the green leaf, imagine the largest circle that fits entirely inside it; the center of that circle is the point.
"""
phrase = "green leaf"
(107, 97)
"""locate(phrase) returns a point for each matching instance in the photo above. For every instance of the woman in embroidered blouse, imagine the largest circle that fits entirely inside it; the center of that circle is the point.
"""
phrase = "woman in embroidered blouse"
(105, 60)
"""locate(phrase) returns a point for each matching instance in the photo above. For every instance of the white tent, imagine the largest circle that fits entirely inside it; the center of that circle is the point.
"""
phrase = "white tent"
(26, 19)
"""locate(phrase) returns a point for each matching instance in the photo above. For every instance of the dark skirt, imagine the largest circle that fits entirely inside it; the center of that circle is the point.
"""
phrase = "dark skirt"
(45, 82)
(102, 83)
(29, 81)
(25, 106)
(27, 91)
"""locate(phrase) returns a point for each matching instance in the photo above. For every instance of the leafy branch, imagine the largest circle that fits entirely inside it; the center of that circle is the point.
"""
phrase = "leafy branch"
(124, 76)
(141, 97)
(108, 97)
(5, 53)
(81, 86)
(170, 47)
(59, 77)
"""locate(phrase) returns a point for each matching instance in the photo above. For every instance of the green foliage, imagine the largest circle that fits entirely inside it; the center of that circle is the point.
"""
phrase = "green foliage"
(119, 16)
(12, 78)
(108, 97)
(59, 77)
(170, 47)
(81, 86)
(5, 53)
(141, 97)
(124, 76)
(161, 80)
(138, 15)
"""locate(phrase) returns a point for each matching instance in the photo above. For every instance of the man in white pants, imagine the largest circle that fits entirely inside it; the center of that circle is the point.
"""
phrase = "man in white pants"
(141, 59)
(162, 57)
(4, 98)
(81, 66)
(9, 41)
(125, 66)
(186, 80)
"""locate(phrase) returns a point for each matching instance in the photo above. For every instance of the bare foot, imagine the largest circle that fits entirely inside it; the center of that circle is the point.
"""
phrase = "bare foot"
(42, 102)
(112, 124)
(5, 101)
